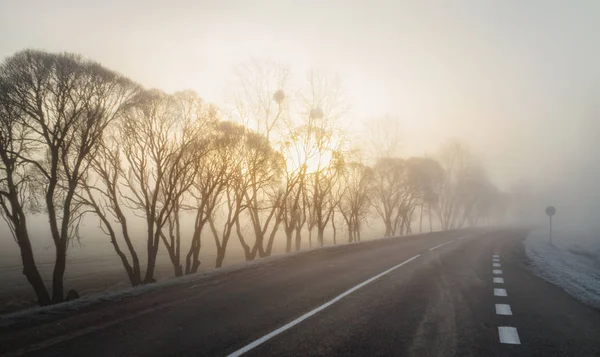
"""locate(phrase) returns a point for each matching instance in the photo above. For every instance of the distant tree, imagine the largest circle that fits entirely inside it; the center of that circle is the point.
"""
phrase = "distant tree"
(55, 108)
(394, 194)
(293, 210)
(261, 103)
(195, 120)
(217, 178)
(323, 147)
(455, 159)
(224, 218)
(260, 99)
(482, 200)
(426, 174)
(355, 201)
(384, 137)
(264, 197)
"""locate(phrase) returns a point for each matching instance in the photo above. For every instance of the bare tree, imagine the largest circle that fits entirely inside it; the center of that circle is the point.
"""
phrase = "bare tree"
(160, 147)
(261, 101)
(216, 178)
(63, 103)
(322, 146)
(481, 200)
(394, 194)
(355, 201)
(193, 144)
(455, 159)
(292, 206)
(261, 106)
(146, 166)
(224, 191)
(384, 137)
(16, 188)
(426, 174)
(102, 194)
(263, 168)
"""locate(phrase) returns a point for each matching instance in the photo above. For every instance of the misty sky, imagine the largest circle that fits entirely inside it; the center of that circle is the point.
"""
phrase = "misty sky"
(518, 80)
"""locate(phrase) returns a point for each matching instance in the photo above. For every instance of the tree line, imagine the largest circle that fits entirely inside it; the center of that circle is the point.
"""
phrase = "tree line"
(78, 139)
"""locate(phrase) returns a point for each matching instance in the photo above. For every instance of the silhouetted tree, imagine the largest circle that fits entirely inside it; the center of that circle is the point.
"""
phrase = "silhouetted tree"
(264, 196)
(394, 194)
(355, 201)
(455, 159)
(58, 106)
(426, 174)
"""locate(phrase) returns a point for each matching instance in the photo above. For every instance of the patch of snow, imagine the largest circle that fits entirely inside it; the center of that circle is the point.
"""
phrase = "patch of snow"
(571, 262)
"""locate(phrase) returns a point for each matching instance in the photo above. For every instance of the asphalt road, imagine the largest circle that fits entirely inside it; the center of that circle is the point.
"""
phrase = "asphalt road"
(439, 294)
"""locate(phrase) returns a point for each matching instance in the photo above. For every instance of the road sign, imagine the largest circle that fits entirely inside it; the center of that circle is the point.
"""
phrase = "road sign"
(550, 211)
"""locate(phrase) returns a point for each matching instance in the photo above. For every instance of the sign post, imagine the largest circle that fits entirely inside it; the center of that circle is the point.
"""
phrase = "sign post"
(550, 211)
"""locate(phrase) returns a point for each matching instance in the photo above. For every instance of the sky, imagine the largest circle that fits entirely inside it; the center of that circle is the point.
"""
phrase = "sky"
(519, 81)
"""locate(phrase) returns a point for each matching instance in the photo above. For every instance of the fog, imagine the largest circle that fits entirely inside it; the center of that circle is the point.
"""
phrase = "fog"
(518, 82)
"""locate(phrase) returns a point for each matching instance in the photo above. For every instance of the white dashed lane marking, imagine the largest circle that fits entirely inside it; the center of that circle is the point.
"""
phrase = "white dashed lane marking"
(503, 309)
(508, 335)
(500, 292)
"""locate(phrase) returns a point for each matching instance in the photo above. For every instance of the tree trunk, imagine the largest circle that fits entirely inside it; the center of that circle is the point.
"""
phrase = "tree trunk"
(220, 257)
(298, 238)
(269, 249)
(133, 279)
(192, 263)
(58, 274)
(288, 240)
(421, 220)
(429, 214)
(14, 212)
(149, 277)
(32, 274)
(321, 235)
(178, 270)
(153, 240)
(334, 233)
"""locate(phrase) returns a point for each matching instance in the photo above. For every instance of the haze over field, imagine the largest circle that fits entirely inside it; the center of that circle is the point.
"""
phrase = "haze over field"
(517, 82)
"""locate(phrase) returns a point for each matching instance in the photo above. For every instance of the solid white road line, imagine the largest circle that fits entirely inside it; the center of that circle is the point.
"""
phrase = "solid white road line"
(496, 265)
(497, 271)
(500, 292)
(295, 322)
(503, 309)
(441, 245)
(509, 335)
(499, 280)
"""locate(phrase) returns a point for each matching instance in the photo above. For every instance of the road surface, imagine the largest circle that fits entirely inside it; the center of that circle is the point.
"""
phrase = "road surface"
(458, 293)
